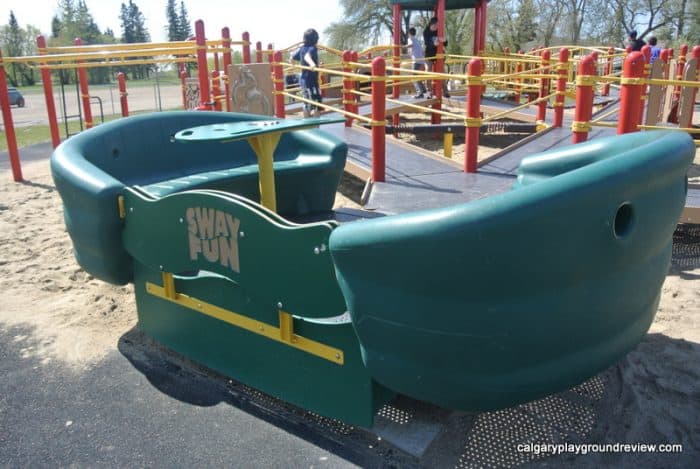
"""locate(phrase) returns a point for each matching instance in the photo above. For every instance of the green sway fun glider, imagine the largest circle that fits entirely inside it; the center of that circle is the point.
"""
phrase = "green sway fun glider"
(476, 306)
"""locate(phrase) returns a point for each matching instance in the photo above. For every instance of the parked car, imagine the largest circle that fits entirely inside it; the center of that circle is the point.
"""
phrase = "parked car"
(15, 97)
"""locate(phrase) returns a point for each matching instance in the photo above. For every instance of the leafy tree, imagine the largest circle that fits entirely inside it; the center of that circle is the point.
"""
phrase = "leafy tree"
(365, 22)
(134, 30)
(516, 25)
(185, 28)
(17, 42)
(173, 19)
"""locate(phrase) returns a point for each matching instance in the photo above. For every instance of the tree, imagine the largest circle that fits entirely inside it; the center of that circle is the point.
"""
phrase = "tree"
(134, 29)
(17, 42)
(365, 22)
(185, 28)
(516, 25)
(173, 25)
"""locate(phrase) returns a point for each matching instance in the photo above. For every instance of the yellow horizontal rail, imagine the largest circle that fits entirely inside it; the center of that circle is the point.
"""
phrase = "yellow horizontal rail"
(281, 334)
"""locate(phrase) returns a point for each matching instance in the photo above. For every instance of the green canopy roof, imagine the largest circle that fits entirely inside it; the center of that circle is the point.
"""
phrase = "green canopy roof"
(432, 4)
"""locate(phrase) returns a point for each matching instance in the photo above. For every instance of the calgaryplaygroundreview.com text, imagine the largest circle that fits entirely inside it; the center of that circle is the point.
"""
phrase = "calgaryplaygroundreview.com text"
(586, 448)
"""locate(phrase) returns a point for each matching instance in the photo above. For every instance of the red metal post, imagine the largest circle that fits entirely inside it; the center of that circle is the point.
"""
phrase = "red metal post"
(226, 36)
(378, 119)
(440, 62)
(686, 123)
(585, 82)
(518, 80)
(354, 56)
(608, 71)
(84, 91)
(203, 73)
(48, 94)
(473, 109)
(563, 72)
(682, 54)
(278, 78)
(646, 52)
(347, 86)
(665, 57)
(183, 82)
(121, 79)
(477, 27)
(630, 93)
(245, 37)
(396, 87)
(482, 28)
(216, 89)
(258, 53)
(270, 53)
(544, 84)
(9, 125)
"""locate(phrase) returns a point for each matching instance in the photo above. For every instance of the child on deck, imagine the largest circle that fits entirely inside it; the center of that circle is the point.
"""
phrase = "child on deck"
(417, 56)
(308, 56)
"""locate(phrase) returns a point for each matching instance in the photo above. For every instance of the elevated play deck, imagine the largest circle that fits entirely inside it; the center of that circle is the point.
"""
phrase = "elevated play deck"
(418, 179)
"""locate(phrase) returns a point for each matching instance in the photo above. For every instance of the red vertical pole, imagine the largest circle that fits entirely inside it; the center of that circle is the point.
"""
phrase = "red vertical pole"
(9, 126)
(245, 37)
(355, 103)
(258, 53)
(646, 52)
(561, 87)
(183, 81)
(482, 27)
(378, 119)
(585, 81)
(347, 86)
(84, 91)
(518, 80)
(666, 58)
(48, 94)
(278, 76)
(608, 71)
(687, 123)
(216, 61)
(473, 109)
(439, 63)
(544, 85)
(682, 54)
(477, 27)
(203, 73)
(630, 93)
(226, 35)
(396, 87)
(121, 79)
(270, 53)
(216, 89)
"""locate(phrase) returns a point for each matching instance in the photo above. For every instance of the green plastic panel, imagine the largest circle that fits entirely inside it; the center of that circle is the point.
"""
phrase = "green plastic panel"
(93, 168)
(272, 260)
(345, 392)
(506, 299)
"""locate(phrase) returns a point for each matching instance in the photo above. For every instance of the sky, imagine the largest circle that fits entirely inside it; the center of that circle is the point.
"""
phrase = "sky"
(280, 22)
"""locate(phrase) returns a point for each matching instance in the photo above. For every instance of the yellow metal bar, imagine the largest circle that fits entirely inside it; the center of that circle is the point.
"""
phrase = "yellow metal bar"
(329, 108)
(312, 347)
(115, 63)
(264, 147)
(447, 144)
(690, 130)
(121, 207)
(168, 285)
(286, 326)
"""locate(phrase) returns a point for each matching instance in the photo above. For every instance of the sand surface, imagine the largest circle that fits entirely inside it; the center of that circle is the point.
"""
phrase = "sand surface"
(651, 396)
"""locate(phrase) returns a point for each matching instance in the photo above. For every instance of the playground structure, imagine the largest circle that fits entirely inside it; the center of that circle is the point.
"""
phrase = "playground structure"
(207, 259)
(578, 73)
(337, 318)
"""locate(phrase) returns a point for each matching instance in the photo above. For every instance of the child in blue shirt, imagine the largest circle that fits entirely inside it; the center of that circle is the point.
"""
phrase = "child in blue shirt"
(308, 56)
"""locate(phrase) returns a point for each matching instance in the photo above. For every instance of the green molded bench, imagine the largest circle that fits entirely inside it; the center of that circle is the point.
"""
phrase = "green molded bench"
(93, 168)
